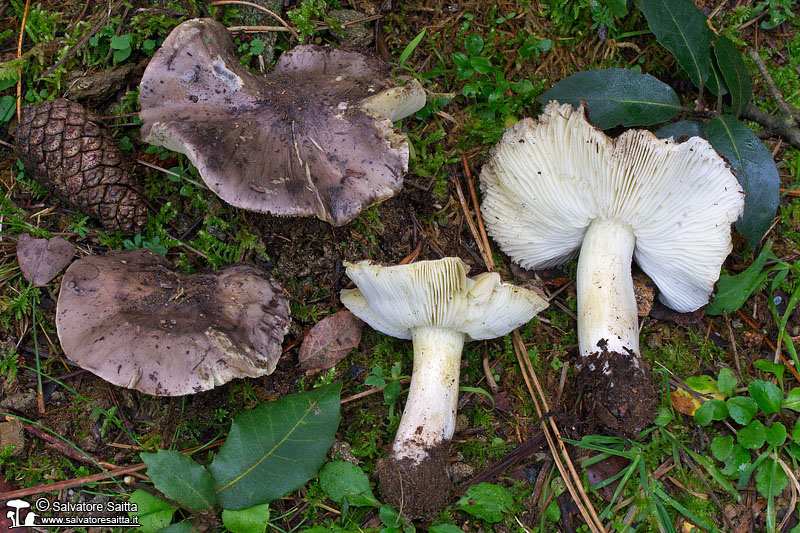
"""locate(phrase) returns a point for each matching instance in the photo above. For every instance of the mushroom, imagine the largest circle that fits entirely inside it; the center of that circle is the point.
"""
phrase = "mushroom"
(552, 184)
(127, 317)
(438, 307)
(312, 137)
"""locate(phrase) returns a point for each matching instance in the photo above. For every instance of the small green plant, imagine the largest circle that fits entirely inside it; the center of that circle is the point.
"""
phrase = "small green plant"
(390, 383)
(139, 242)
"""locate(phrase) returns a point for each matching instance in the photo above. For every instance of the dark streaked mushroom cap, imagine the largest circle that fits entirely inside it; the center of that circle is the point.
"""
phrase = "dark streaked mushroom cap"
(127, 317)
(312, 137)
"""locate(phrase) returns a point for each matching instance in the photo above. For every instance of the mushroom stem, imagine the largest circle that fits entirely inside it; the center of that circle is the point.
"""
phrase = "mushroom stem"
(430, 413)
(607, 316)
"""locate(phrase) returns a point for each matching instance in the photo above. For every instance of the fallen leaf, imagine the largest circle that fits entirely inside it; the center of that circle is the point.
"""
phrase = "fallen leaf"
(40, 260)
(683, 402)
(602, 470)
(330, 340)
(645, 290)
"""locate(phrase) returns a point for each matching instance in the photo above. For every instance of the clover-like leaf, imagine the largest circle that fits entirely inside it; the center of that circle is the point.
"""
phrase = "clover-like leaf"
(776, 434)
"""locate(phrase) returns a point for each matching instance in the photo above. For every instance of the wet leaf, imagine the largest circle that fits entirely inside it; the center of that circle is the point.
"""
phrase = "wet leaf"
(733, 291)
(252, 520)
(276, 447)
(722, 447)
(680, 129)
(772, 368)
(486, 501)
(737, 462)
(753, 435)
(181, 478)
(742, 409)
(342, 481)
(755, 171)
(792, 400)
(735, 73)
(154, 513)
(726, 381)
(766, 394)
(681, 28)
(617, 97)
(710, 411)
(776, 434)
(40, 260)
(330, 340)
(770, 478)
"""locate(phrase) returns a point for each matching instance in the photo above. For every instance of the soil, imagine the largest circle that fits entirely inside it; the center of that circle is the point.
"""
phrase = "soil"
(618, 396)
(418, 490)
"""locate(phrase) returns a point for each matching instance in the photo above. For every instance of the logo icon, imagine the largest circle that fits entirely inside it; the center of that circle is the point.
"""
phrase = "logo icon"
(18, 505)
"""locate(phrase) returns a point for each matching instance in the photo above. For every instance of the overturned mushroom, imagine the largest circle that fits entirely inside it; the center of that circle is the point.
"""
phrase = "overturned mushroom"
(127, 317)
(555, 183)
(312, 137)
(438, 307)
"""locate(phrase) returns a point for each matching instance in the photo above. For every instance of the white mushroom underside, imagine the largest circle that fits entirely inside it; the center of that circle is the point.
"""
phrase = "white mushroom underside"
(547, 180)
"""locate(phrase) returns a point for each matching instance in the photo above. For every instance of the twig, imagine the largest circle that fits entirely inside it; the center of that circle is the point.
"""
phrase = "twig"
(170, 173)
(256, 6)
(19, 55)
(786, 127)
(320, 27)
(371, 391)
(487, 259)
(785, 108)
(689, 461)
(733, 344)
(488, 371)
(83, 40)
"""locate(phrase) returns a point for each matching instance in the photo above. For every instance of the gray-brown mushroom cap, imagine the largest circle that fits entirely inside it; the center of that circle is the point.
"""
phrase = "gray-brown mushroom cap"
(127, 317)
(312, 137)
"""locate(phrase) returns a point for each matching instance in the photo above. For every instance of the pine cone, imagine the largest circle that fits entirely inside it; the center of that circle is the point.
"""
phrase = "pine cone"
(71, 153)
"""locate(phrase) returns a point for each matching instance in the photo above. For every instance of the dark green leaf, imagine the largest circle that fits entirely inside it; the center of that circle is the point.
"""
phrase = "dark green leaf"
(486, 501)
(681, 28)
(408, 50)
(726, 381)
(755, 171)
(8, 82)
(445, 528)
(766, 394)
(677, 130)
(392, 391)
(792, 400)
(742, 409)
(753, 435)
(340, 480)
(181, 478)
(256, 47)
(772, 368)
(776, 434)
(737, 462)
(8, 104)
(122, 55)
(722, 447)
(121, 42)
(461, 60)
(153, 513)
(148, 45)
(732, 291)
(770, 478)
(252, 520)
(735, 73)
(473, 44)
(481, 65)
(617, 97)
(711, 410)
(276, 447)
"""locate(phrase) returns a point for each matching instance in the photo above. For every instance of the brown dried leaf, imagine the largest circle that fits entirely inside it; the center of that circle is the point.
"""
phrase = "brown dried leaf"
(645, 290)
(683, 402)
(602, 470)
(330, 340)
(40, 260)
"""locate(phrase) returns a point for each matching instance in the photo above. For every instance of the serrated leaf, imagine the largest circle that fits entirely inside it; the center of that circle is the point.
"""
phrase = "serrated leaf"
(792, 400)
(153, 513)
(776, 434)
(711, 410)
(680, 129)
(681, 28)
(742, 409)
(486, 501)
(726, 381)
(181, 478)
(753, 435)
(722, 447)
(341, 480)
(766, 394)
(735, 73)
(617, 97)
(755, 171)
(733, 291)
(252, 520)
(276, 447)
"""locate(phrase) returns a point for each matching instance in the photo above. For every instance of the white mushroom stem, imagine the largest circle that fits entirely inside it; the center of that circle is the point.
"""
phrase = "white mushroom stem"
(429, 417)
(607, 314)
